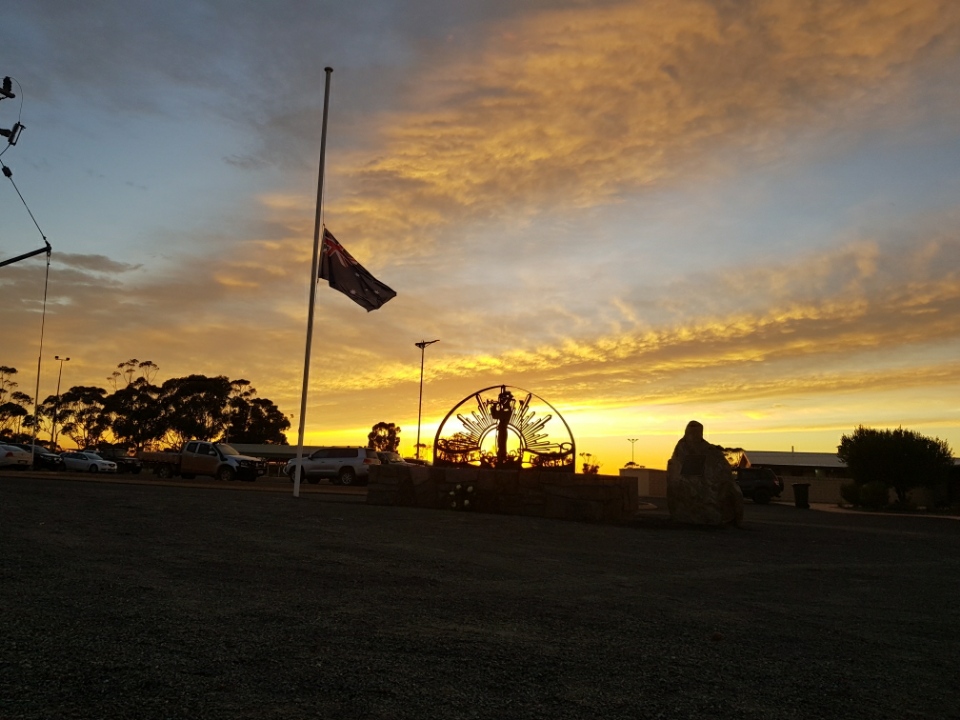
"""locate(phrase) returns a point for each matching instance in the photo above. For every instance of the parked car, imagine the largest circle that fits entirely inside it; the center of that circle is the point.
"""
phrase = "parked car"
(758, 483)
(125, 463)
(416, 461)
(14, 458)
(42, 457)
(87, 462)
(391, 458)
(341, 465)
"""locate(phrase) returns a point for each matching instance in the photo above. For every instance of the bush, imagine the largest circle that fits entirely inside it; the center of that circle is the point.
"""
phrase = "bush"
(874, 495)
(900, 459)
(850, 492)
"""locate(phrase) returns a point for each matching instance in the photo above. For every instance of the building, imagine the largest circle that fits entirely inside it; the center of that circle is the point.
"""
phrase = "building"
(798, 464)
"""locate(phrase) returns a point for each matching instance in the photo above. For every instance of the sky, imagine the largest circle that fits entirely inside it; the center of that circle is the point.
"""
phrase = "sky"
(740, 212)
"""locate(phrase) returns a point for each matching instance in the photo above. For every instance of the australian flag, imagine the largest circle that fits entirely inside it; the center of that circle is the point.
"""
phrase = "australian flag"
(349, 277)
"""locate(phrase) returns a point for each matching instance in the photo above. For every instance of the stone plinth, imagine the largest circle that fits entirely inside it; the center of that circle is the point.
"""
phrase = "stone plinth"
(700, 485)
(566, 496)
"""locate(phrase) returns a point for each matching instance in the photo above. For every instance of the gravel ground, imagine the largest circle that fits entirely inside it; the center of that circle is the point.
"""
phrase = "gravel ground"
(134, 601)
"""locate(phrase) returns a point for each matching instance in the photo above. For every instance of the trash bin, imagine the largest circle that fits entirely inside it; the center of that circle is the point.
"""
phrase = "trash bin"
(801, 495)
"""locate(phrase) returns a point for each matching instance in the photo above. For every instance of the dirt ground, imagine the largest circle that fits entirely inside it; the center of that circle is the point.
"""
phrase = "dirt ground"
(140, 601)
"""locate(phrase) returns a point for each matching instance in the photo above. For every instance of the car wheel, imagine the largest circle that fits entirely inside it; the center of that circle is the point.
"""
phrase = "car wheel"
(94, 468)
(226, 474)
(761, 496)
(165, 472)
(348, 476)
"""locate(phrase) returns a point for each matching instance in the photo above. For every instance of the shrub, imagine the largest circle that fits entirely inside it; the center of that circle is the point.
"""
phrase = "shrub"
(850, 492)
(874, 494)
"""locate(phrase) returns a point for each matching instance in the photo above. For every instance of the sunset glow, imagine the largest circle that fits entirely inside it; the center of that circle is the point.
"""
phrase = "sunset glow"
(643, 212)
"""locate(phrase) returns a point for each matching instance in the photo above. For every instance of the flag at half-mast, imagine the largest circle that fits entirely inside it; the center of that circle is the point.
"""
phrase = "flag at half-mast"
(350, 277)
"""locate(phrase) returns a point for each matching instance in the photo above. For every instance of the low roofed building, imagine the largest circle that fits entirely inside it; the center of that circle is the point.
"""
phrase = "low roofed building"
(798, 464)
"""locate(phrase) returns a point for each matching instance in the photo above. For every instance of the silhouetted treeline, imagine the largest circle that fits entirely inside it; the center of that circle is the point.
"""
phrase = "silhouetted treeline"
(140, 414)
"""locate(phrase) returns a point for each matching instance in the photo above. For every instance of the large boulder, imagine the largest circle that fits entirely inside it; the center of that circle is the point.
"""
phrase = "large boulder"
(700, 485)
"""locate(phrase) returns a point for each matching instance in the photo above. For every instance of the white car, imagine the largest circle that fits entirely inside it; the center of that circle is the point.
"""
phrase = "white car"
(87, 462)
(14, 458)
(342, 465)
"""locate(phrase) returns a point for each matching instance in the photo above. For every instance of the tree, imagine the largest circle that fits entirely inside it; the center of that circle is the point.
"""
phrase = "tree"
(900, 459)
(6, 384)
(82, 414)
(589, 467)
(135, 414)
(195, 407)
(257, 420)
(13, 411)
(384, 437)
(11, 414)
(126, 373)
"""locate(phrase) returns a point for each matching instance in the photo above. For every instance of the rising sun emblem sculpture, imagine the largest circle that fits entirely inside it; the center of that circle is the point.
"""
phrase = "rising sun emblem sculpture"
(505, 428)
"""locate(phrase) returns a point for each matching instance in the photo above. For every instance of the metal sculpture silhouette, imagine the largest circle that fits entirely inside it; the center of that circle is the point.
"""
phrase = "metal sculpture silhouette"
(492, 428)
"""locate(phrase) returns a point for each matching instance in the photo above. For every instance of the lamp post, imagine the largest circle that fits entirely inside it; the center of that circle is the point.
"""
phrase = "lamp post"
(423, 347)
(632, 442)
(56, 408)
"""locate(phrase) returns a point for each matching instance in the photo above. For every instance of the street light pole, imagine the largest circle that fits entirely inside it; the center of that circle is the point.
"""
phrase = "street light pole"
(56, 408)
(632, 442)
(423, 346)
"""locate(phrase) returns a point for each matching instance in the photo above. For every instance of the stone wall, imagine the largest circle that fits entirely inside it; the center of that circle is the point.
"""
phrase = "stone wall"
(650, 482)
(822, 490)
(566, 496)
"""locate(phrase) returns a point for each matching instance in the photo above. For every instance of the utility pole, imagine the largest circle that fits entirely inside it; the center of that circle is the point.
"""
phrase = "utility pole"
(423, 346)
(56, 408)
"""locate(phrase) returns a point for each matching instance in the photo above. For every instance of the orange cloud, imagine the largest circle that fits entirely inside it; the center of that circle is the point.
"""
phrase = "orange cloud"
(571, 108)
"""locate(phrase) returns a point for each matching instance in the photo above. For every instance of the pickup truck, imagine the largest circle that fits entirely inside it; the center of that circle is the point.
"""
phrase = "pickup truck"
(758, 483)
(199, 457)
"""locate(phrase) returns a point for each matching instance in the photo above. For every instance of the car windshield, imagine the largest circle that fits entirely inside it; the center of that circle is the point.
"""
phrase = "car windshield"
(93, 456)
(226, 449)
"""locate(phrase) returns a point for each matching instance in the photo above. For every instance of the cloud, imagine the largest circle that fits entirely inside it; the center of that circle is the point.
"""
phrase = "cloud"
(847, 319)
(574, 108)
(480, 196)
(93, 263)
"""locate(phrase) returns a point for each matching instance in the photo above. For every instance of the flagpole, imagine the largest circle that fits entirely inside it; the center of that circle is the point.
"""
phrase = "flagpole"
(313, 286)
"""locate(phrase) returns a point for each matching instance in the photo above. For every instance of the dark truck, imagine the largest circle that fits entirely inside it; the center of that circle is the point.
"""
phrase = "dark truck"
(199, 457)
(760, 484)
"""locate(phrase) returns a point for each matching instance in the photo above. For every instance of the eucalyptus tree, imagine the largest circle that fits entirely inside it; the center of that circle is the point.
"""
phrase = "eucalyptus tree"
(257, 420)
(131, 371)
(136, 414)
(384, 437)
(81, 412)
(195, 407)
(6, 384)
